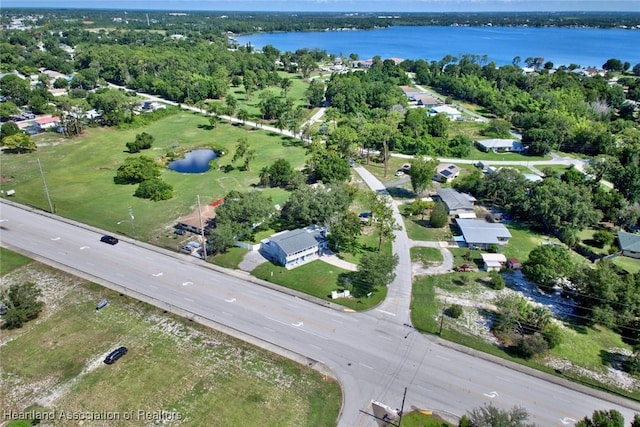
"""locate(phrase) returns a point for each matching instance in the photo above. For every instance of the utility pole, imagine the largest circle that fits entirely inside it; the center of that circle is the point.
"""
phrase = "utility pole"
(442, 318)
(46, 189)
(204, 241)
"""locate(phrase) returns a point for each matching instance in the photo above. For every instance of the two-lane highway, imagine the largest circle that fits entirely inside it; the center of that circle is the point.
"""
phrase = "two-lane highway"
(372, 354)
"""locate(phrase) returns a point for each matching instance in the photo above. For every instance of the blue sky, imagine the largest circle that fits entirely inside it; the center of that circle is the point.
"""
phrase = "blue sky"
(338, 5)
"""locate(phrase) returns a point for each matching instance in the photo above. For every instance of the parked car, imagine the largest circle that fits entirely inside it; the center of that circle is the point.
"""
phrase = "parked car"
(109, 239)
(115, 355)
(28, 115)
(399, 173)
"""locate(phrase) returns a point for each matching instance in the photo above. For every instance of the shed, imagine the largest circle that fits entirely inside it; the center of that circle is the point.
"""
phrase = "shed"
(493, 262)
(514, 264)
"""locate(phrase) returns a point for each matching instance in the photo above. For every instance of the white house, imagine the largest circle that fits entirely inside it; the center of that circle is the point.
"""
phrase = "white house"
(455, 202)
(450, 112)
(494, 262)
(482, 234)
(500, 145)
(446, 172)
(295, 247)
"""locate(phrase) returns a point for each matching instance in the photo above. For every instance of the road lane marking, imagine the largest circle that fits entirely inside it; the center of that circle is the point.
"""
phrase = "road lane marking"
(386, 312)
(55, 238)
(268, 329)
(297, 325)
(157, 274)
(384, 337)
(82, 248)
(230, 300)
(187, 283)
(492, 394)
(366, 366)
(315, 346)
(567, 421)
(188, 299)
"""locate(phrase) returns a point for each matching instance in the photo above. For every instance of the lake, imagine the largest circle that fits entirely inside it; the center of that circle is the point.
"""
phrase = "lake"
(562, 46)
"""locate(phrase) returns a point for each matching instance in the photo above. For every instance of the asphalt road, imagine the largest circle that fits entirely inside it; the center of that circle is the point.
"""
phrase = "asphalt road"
(373, 354)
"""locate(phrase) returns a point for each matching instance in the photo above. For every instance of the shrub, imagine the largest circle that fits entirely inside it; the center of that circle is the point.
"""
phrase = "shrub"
(497, 281)
(439, 216)
(154, 189)
(455, 311)
(603, 238)
(22, 305)
(552, 335)
(528, 346)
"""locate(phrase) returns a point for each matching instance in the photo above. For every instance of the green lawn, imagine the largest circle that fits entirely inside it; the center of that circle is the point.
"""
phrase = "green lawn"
(80, 172)
(418, 228)
(426, 256)
(172, 365)
(230, 259)
(317, 278)
(10, 260)
(523, 240)
(630, 264)
(418, 419)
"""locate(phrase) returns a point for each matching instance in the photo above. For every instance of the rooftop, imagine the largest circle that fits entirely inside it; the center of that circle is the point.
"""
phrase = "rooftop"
(455, 200)
(293, 241)
(476, 231)
(629, 241)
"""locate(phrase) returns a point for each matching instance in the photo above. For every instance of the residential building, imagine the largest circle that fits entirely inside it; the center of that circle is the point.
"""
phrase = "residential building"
(410, 92)
(482, 234)
(456, 203)
(500, 145)
(446, 173)
(295, 247)
(494, 262)
(48, 122)
(425, 100)
(629, 244)
(450, 112)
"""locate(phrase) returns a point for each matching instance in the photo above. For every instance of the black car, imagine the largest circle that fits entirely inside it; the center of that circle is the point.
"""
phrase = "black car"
(115, 355)
(109, 239)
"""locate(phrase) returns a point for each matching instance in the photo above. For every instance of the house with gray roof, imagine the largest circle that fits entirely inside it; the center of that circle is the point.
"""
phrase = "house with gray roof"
(295, 247)
(629, 244)
(500, 145)
(455, 202)
(482, 234)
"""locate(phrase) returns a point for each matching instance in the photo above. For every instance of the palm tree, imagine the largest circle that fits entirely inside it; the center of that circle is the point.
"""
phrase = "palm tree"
(248, 158)
(265, 176)
(243, 115)
(285, 85)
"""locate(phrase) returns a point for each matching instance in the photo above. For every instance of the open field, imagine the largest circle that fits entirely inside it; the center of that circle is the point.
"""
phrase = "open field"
(80, 171)
(9, 261)
(54, 363)
(586, 354)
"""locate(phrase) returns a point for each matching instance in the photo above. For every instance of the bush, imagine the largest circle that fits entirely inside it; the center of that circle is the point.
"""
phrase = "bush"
(439, 216)
(497, 281)
(154, 189)
(528, 346)
(455, 311)
(603, 238)
(552, 335)
(22, 305)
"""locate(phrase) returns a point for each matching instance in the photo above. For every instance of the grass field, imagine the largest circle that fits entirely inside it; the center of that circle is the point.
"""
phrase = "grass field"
(79, 173)
(230, 259)
(55, 363)
(426, 256)
(318, 279)
(10, 260)
(629, 264)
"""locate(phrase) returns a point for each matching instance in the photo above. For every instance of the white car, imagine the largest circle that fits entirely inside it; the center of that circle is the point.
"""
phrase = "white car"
(399, 173)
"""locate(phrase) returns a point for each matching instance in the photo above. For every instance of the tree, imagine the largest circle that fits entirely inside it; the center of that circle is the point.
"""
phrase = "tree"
(19, 143)
(439, 216)
(308, 205)
(241, 149)
(332, 168)
(547, 265)
(421, 174)
(242, 212)
(375, 269)
(280, 173)
(315, 93)
(285, 85)
(636, 69)
(22, 305)
(602, 418)
(154, 189)
(8, 129)
(243, 115)
(249, 156)
(613, 64)
(382, 217)
(137, 169)
(232, 104)
(490, 416)
(344, 232)
(221, 238)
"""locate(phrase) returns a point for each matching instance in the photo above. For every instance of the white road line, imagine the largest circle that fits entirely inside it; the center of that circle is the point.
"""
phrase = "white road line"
(188, 299)
(366, 366)
(384, 337)
(386, 312)
(315, 346)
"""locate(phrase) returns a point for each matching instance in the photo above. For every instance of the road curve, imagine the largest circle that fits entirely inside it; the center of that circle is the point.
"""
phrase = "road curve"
(373, 354)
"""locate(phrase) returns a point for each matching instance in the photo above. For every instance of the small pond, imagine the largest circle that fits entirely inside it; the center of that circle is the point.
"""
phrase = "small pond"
(196, 161)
